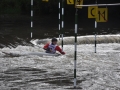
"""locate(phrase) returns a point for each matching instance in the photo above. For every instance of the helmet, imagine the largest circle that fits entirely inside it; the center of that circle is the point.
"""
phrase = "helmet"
(54, 39)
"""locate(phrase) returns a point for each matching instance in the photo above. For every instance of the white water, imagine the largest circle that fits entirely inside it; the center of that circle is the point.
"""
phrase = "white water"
(95, 71)
(90, 39)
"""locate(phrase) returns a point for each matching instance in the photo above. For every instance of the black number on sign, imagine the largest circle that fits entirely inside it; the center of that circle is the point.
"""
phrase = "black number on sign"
(104, 15)
(101, 14)
(69, 1)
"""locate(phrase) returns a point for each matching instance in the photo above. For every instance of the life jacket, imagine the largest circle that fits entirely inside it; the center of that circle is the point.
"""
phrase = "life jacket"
(52, 48)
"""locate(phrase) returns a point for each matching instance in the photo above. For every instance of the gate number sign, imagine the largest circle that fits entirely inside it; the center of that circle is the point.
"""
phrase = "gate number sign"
(92, 11)
(70, 1)
(79, 2)
(102, 15)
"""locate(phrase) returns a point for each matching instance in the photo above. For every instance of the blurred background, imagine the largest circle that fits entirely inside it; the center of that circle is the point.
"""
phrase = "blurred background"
(15, 19)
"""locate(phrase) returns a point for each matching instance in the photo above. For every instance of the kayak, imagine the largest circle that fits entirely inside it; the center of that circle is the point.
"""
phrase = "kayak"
(15, 54)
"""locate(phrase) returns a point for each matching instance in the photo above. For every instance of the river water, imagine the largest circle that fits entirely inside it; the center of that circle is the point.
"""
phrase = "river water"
(95, 71)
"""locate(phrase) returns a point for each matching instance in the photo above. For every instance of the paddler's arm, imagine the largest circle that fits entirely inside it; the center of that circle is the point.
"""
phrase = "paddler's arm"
(46, 46)
(59, 49)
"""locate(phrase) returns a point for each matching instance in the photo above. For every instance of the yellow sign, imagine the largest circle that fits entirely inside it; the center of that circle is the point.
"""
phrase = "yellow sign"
(70, 1)
(79, 2)
(102, 15)
(45, 0)
(92, 12)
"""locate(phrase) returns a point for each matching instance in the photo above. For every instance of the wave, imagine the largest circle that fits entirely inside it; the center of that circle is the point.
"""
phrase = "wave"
(13, 41)
(90, 39)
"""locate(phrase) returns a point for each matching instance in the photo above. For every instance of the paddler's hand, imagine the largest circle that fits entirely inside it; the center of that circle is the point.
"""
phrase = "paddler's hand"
(63, 53)
(50, 50)
(44, 48)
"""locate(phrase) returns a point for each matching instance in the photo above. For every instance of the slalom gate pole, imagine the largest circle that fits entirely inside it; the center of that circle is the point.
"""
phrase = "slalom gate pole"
(59, 20)
(31, 18)
(95, 32)
(62, 21)
(75, 52)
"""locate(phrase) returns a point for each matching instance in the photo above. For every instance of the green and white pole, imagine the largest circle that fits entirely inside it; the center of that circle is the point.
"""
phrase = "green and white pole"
(75, 53)
(59, 20)
(95, 33)
(62, 21)
(31, 18)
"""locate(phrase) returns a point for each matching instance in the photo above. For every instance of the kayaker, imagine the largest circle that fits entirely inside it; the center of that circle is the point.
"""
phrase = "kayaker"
(53, 47)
